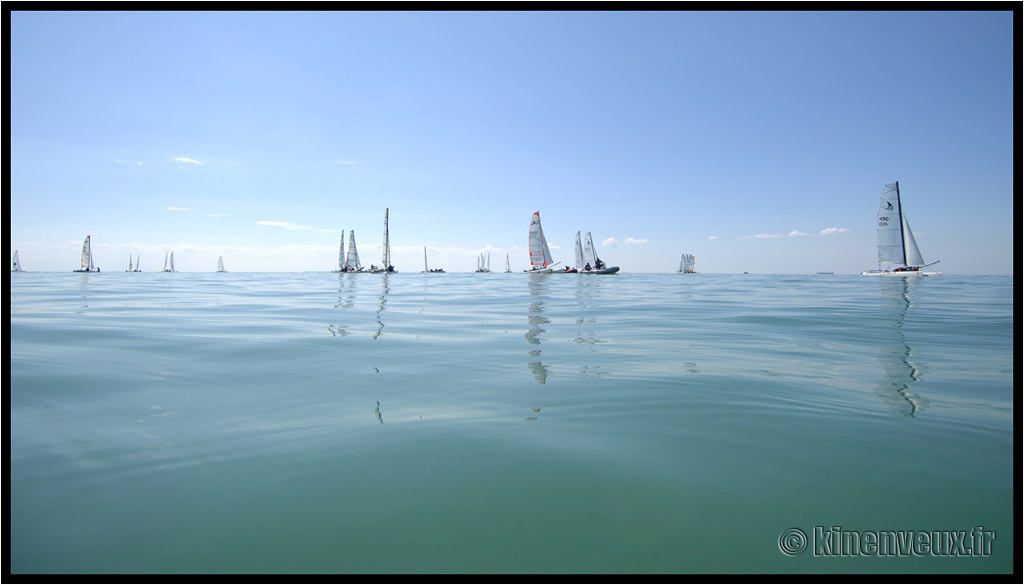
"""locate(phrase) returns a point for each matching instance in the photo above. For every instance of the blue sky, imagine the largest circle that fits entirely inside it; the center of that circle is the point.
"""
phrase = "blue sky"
(759, 141)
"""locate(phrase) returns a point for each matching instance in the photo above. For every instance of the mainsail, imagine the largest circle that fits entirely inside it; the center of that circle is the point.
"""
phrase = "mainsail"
(590, 253)
(897, 247)
(540, 255)
(341, 253)
(17, 263)
(579, 253)
(220, 264)
(87, 264)
(687, 264)
(352, 258)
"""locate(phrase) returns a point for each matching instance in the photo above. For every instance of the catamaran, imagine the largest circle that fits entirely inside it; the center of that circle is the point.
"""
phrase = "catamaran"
(16, 267)
(220, 264)
(587, 261)
(386, 259)
(898, 254)
(426, 269)
(87, 263)
(171, 269)
(540, 254)
(341, 254)
(687, 264)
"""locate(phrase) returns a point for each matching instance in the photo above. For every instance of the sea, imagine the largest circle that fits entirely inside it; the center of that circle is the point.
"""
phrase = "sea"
(512, 424)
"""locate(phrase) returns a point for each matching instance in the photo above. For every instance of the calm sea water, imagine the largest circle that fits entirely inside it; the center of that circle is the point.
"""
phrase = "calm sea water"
(507, 423)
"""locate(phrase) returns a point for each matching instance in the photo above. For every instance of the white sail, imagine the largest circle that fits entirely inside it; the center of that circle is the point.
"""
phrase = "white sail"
(425, 269)
(579, 253)
(687, 264)
(589, 253)
(507, 267)
(87, 264)
(890, 229)
(172, 261)
(166, 256)
(352, 257)
(913, 253)
(341, 253)
(386, 260)
(220, 264)
(16, 267)
(540, 255)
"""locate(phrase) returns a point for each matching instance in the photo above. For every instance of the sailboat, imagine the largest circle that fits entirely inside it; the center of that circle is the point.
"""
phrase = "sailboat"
(483, 264)
(386, 255)
(171, 269)
(16, 266)
(426, 269)
(87, 263)
(341, 254)
(352, 256)
(540, 254)
(508, 269)
(898, 254)
(129, 264)
(687, 264)
(220, 264)
(587, 260)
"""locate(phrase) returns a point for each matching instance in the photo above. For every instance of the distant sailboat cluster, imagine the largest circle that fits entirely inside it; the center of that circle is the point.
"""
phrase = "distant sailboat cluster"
(898, 252)
(688, 264)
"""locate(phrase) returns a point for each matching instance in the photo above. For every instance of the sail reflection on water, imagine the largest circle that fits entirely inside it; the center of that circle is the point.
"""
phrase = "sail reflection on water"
(586, 322)
(382, 302)
(535, 319)
(896, 356)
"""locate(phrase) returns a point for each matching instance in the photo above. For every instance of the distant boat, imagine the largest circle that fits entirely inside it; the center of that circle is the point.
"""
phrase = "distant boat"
(540, 254)
(341, 254)
(130, 269)
(427, 269)
(483, 264)
(825, 272)
(352, 256)
(898, 254)
(16, 265)
(587, 261)
(508, 269)
(87, 263)
(687, 264)
(220, 264)
(386, 255)
(171, 269)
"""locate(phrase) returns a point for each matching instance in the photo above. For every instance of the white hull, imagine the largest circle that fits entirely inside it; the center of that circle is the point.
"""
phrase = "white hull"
(609, 270)
(899, 273)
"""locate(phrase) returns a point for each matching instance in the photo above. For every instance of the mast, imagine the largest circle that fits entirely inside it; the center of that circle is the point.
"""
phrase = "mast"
(387, 244)
(425, 269)
(899, 212)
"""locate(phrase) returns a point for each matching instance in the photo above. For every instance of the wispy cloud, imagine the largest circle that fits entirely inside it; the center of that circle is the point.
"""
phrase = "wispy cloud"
(185, 159)
(293, 226)
(829, 231)
(177, 208)
(712, 237)
(342, 162)
(796, 233)
(627, 242)
(761, 236)
(127, 162)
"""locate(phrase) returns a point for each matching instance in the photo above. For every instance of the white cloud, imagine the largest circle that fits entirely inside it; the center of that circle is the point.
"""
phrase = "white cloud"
(761, 236)
(829, 231)
(610, 242)
(185, 159)
(177, 209)
(712, 237)
(342, 162)
(796, 233)
(634, 241)
(293, 226)
(127, 162)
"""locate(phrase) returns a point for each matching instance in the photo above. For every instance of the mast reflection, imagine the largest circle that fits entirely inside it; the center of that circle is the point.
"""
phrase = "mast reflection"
(896, 356)
(535, 319)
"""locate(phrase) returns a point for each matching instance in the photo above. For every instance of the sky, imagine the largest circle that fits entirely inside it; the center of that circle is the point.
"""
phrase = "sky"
(757, 141)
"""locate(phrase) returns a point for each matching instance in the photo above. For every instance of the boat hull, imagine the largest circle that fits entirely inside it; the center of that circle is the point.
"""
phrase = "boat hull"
(899, 273)
(609, 270)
